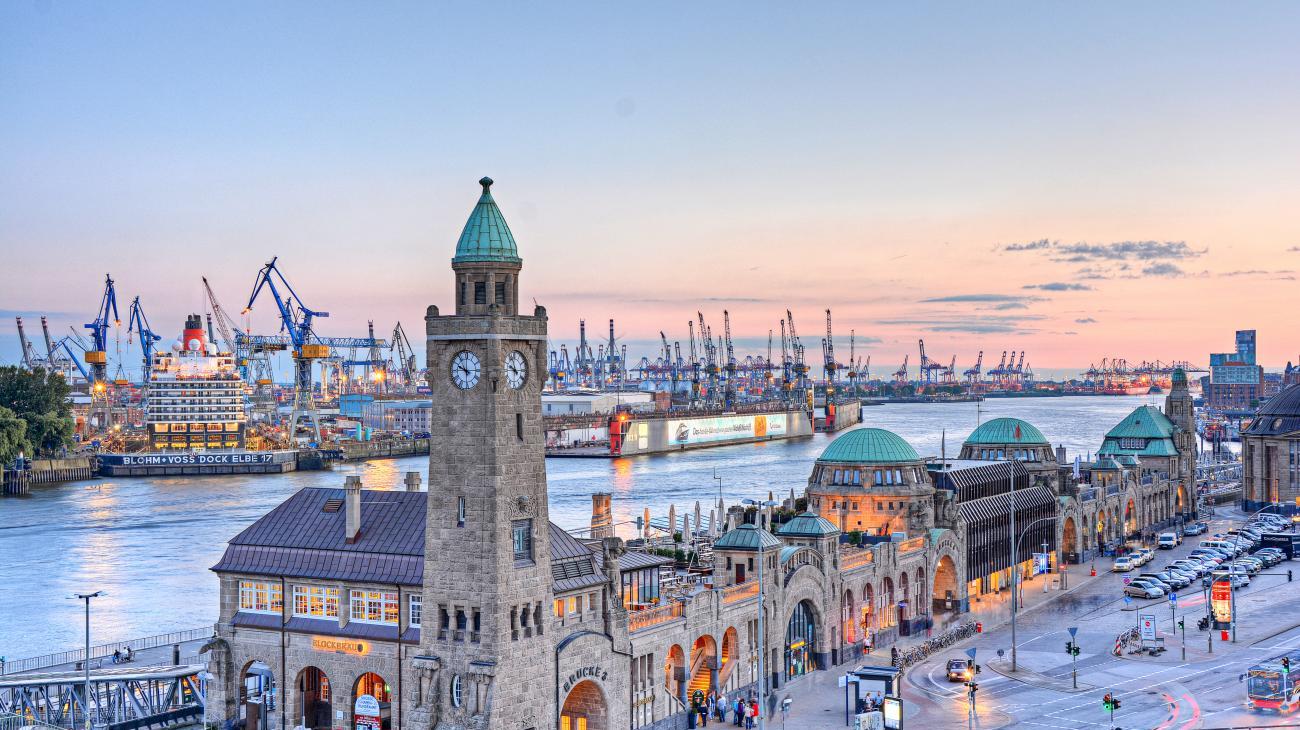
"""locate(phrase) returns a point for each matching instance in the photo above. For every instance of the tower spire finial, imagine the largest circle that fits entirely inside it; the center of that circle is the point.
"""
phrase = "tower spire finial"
(486, 182)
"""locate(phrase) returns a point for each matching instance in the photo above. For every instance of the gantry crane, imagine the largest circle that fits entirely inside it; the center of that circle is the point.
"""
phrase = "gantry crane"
(973, 373)
(900, 375)
(96, 354)
(296, 321)
(138, 322)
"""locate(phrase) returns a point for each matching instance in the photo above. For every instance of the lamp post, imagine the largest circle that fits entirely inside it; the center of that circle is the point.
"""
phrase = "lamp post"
(205, 678)
(762, 637)
(85, 663)
(1015, 568)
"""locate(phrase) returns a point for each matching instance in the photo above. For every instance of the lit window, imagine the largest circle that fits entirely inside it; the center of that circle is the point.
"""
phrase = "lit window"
(374, 607)
(260, 597)
(315, 602)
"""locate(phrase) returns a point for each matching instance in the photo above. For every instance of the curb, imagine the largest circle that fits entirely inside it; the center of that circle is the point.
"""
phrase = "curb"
(1035, 679)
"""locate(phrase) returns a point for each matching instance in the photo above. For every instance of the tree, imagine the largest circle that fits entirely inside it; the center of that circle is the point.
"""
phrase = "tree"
(13, 436)
(38, 399)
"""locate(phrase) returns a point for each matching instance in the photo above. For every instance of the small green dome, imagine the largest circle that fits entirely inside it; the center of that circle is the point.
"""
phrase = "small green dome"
(1007, 431)
(1179, 377)
(808, 524)
(869, 446)
(746, 537)
(486, 237)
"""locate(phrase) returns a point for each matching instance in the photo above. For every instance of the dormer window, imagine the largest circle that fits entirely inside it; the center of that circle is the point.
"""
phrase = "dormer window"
(1134, 444)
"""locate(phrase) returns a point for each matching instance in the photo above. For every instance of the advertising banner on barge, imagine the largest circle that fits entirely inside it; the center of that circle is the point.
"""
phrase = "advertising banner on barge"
(195, 459)
(688, 432)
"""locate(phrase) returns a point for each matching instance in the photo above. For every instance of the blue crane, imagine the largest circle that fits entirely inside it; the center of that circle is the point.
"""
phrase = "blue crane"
(97, 355)
(295, 321)
(138, 322)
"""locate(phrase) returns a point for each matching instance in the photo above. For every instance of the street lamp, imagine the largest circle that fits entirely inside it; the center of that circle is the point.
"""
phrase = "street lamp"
(1015, 567)
(204, 682)
(85, 697)
(762, 637)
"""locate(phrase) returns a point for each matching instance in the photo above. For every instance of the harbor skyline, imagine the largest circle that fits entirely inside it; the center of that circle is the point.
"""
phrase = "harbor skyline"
(1039, 180)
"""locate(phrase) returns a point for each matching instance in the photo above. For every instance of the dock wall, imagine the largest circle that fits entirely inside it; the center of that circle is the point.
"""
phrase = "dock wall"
(197, 464)
(391, 449)
(659, 435)
(47, 471)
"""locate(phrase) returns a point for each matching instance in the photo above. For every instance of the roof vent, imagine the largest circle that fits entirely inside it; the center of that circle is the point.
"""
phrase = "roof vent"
(332, 505)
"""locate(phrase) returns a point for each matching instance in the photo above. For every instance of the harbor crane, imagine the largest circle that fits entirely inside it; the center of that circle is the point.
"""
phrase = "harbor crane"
(30, 360)
(973, 373)
(829, 366)
(296, 321)
(402, 357)
(139, 323)
(929, 368)
(96, 356)
(900, 375)
(729, 394)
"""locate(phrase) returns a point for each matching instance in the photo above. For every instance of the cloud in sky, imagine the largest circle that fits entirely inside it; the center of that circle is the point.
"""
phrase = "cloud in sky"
(974, 298)
(1124, 251)
(1085, 320)
(1059, 286)
(1163, 269)
(1030, 246)
(1294, 249)
(1010, 305)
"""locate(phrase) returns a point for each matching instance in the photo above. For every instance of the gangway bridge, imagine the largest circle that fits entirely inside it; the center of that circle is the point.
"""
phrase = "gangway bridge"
(121, 697)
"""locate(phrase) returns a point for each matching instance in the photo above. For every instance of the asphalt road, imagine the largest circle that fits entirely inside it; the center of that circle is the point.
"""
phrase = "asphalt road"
(1202, 691)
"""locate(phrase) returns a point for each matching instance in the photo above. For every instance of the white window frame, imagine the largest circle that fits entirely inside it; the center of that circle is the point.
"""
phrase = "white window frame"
(323, 594)
(364, 597)
(251, 588)
(414, 610)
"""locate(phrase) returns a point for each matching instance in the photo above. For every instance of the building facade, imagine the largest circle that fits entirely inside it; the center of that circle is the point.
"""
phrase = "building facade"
(1236, 380)
(465, 608)
(1270, 448)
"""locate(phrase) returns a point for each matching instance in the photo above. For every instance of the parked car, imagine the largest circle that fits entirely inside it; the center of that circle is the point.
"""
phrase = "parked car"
(1238, 579)
(1143, 588)
(1251, 565)
(1184, 576)
(1173, 578)
(1195, 528)
(1275, 554)
(1155, 578)
(1122, 564)
(1167, 540)
(1194, 567)
(959, 670)
(1147, 555)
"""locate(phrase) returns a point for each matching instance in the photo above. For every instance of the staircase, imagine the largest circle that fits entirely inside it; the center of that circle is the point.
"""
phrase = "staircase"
(700, 677)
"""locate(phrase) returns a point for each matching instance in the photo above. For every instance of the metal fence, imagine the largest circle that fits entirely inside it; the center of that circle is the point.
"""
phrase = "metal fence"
(14, 666)
(18, 722)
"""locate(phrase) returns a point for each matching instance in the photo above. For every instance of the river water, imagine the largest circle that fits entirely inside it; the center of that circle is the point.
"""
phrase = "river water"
(149, 542)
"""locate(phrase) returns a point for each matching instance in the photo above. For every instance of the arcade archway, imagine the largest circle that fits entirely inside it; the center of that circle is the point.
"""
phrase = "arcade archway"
(313, 705)
(868, 610)
(1069, 537)
(584, 708)
(904, 606)
(945, 585)
(675, 671)
(372, 694)
(801, 640)
(848, 628)
(728, 675)
(704, 656)
(257, 692)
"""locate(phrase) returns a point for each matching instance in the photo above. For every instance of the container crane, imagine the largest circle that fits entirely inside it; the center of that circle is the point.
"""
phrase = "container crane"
(900, 375)
(29, 353)
(729, 396)
(829, 365)
(138, 322)
(973, 373)
(296, 321)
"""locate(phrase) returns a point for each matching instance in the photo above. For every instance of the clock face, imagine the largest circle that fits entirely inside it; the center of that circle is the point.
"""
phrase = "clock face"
(516, 369)
(465, 370)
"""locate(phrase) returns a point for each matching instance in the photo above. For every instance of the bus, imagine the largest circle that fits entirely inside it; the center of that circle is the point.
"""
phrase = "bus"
(1271, 689)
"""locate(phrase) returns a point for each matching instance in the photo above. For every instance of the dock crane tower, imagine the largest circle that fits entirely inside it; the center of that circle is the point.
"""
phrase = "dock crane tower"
(96, 355)
(729, 394)
(800, 365)
(139, 323)
(900, 375)
(828, 359)
(29, 353)
(296, 321)
(973, 373)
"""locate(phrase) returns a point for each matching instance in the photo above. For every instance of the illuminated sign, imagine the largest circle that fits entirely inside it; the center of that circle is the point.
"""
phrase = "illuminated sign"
(727, 428)
(1221, 600)
(366, 714)
(355, 647)
(893, 711)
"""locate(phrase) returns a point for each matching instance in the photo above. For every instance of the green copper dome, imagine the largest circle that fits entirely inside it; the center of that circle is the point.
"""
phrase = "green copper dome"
(808, 524)
(486, 237)
(869, 446)
(746, 537)
(1180, 377)
(1007, 431)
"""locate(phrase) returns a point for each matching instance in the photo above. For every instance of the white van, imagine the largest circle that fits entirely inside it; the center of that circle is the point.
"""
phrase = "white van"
(1231, 548)
(1167, 540)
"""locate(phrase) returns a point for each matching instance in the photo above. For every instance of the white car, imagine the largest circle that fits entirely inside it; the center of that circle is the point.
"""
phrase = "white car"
(1122, 565)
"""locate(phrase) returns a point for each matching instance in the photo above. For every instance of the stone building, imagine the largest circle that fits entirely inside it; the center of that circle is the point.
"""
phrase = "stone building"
(465, 608)
(1270, 449)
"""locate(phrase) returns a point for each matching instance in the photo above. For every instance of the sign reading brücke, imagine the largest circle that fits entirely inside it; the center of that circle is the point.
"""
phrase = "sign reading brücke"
(582, 673)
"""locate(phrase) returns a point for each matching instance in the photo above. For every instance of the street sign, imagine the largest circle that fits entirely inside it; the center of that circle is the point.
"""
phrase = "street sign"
(970, 652)
(1173, 598)
(1147, 627)
(1127, 580)
(1074, 631)
(1128, 599)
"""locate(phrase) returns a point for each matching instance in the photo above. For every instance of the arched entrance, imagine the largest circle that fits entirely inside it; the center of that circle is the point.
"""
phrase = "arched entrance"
(313, 706)
(889, 611)
(704, 660)
(1130, 519)
(848, 628)
(257, 696)
(904, 606)
(371, 693)
(584, 708)
(1101, 530)
(800, 640)
(1181, 500)
(728, 675)
(868, 610)
(919, 587)
(1069, 538)
(945, 586)
(675, 672)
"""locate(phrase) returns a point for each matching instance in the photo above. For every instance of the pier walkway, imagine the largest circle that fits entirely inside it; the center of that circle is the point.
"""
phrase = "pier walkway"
(177, 647)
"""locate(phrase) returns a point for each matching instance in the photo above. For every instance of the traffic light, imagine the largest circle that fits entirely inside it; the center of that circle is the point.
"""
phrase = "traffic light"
(1108, 702)
(1069, 648)
(1180, 624)
(1286, 665)
(1076, 650)
(977, 669)
(1114, 701)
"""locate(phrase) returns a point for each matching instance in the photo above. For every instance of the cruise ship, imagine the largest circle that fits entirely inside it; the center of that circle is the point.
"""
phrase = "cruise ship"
(195, 397)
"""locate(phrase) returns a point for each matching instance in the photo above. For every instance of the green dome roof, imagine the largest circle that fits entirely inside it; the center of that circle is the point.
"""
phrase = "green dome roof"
(808, 524)
(486, 236)
(869, 446)
(746, 537)
(1180, 377)
(1006, 431)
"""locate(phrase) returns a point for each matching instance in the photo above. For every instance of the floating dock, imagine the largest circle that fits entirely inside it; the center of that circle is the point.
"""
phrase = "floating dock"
(198, 463)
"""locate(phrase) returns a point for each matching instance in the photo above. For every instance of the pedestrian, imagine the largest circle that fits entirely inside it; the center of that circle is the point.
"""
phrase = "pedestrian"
(749, 715)
(739, 710)
(720, 708)
(893, 655)
(757, 713)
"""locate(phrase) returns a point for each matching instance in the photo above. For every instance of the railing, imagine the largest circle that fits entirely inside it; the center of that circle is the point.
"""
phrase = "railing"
(740, 592)
(18, 722)
(103, 650)
(911, 545)
(640, 620)
(856, 559)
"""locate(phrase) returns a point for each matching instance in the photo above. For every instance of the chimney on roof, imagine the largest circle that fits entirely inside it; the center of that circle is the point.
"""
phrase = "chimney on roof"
(352, 508)
(602, 520)
(412, 481)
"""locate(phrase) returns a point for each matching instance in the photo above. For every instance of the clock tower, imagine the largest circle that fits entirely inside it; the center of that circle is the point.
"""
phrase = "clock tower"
(487, 659)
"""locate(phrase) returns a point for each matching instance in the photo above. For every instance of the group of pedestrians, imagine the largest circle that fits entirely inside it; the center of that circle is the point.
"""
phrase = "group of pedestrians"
(744, 711)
